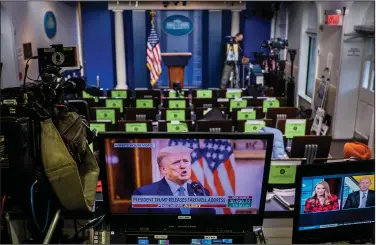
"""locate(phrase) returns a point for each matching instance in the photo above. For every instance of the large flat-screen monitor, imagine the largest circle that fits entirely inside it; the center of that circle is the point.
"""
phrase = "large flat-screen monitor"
(335, 202)
(199, 179)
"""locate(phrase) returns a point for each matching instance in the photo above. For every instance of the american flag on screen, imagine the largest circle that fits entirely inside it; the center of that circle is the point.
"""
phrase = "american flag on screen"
(153, 56)
(213, 165)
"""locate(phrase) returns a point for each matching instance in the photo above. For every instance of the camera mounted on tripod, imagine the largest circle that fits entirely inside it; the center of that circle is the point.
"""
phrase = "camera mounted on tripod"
(275, 44)
(231, 40)
(57, 139)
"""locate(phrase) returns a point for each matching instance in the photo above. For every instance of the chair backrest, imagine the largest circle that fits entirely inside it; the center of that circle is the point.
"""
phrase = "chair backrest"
(147, 93)
(105, 113)
(136, 114)
(258, 102)
(258, 111)
(175, 114)
(90, 91)
(144, 102)
(205, 102)
(222, 93)
(214, 126)
(199, 112)
(223, 102)
(169, 93)
(240, 125)
(163, 125)
(175, 103)
(135, 126)
(281, 123)
(286, 112)
(298, 145)
(107, 125)
(269, 92)
(196, 93)
(114, 103)
(119, 93)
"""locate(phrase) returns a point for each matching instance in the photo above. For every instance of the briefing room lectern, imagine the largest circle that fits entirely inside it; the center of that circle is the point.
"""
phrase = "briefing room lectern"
(176, 63)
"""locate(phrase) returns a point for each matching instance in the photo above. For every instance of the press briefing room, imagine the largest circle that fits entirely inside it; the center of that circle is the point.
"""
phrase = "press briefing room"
(187, 122)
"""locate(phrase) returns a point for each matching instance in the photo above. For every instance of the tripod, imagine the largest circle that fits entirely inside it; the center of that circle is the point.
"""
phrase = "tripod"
(232, 66)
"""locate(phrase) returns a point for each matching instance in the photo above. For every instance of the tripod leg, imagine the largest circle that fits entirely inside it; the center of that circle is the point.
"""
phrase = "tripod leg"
(12, 233)
(52, 227)
(226, 74)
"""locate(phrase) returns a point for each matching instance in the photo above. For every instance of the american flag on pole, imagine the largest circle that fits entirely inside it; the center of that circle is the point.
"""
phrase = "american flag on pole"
(153, 56)
(213, 165)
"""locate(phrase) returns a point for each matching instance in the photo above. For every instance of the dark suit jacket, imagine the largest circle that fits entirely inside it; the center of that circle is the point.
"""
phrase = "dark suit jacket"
(353, 200)
(161, 188)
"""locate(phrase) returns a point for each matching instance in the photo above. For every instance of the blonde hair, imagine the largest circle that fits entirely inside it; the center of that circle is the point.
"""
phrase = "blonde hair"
(160, 158)
(327, 194)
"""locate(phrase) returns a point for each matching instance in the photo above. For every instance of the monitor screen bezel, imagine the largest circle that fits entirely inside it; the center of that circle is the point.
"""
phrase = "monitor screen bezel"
(233, 222)
(342, 233)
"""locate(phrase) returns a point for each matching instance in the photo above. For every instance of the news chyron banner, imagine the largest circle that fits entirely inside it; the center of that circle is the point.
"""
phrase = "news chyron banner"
(192, 202)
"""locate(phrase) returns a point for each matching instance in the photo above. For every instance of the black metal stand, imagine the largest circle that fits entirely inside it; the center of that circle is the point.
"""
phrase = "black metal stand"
(290, 85)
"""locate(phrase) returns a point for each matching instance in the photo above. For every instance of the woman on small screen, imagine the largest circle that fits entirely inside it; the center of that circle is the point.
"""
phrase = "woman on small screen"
(321, 199)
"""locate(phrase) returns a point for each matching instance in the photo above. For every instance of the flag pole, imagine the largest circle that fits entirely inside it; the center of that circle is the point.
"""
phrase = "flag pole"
(152, 14)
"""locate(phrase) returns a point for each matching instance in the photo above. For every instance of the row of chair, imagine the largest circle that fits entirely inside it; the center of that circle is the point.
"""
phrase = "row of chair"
(167, 113)
(184, 102)
(195, 113)
(297, 146)
(157, 93)
(201, 126)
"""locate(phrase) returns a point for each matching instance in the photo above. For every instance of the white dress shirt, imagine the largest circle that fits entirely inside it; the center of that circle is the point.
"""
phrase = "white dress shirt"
(361, 197)
(175, 188)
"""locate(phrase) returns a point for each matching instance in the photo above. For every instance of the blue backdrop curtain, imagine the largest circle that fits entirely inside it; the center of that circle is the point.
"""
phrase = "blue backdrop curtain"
(187, 43)
(128, 25)
(98, 44)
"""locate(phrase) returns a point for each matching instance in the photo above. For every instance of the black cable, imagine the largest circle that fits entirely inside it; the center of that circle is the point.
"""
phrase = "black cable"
(32, 79)
(27, 69)
(75, 225)
(91, 224)
(79, 223)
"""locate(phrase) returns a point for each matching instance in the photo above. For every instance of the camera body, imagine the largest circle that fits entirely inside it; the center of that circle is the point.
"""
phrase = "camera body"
(275, 44)
(231, 40)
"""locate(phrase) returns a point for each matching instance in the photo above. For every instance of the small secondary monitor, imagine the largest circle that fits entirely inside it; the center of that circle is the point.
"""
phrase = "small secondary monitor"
(335, 202)
(185, 177)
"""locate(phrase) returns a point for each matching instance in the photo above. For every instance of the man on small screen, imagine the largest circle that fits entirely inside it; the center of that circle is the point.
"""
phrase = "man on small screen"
(362, 198)
(174, 163)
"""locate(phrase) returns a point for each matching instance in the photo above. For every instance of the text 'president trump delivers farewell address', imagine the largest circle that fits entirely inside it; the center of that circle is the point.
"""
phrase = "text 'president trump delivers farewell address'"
(174, 163)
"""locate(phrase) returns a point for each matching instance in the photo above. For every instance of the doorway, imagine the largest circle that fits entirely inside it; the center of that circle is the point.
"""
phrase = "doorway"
(364, 125)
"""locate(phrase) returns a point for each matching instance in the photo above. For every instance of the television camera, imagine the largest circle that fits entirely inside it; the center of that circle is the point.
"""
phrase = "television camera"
(275, 43)
(231, 39)
(273, 67)
(35, 118)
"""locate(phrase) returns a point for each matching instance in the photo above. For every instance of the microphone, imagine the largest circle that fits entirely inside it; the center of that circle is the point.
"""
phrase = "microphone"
(74, 85)
(198, 188)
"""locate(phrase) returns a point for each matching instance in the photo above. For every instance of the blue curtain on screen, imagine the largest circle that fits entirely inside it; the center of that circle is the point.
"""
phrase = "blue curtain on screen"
(187, 43)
